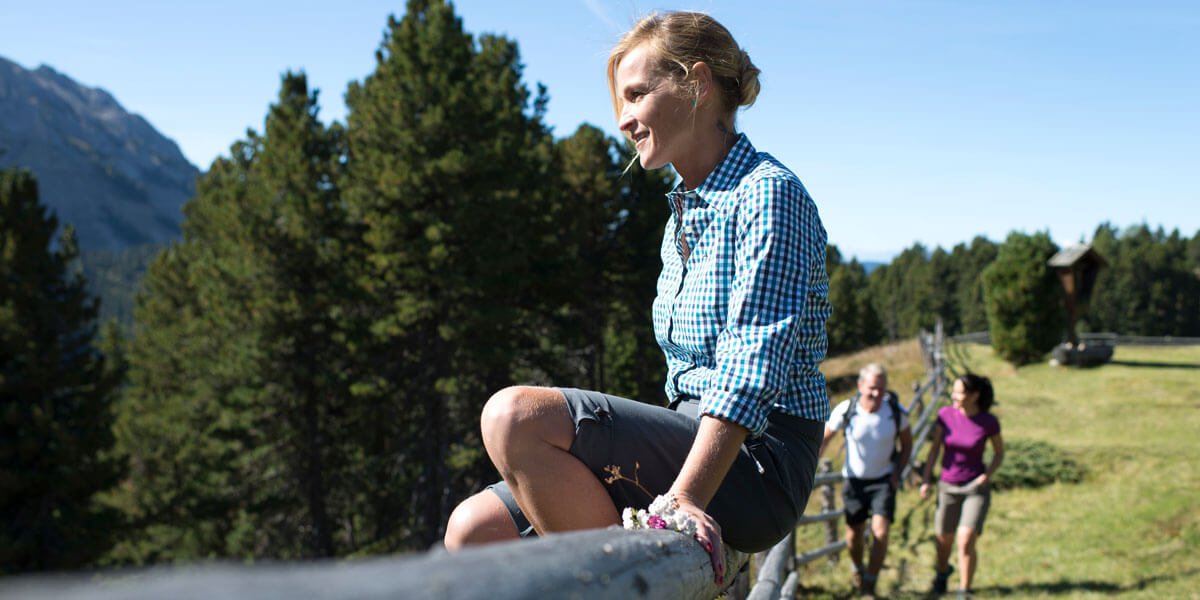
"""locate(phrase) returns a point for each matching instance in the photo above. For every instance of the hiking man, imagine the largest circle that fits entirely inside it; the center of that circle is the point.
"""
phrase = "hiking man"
(873, 422)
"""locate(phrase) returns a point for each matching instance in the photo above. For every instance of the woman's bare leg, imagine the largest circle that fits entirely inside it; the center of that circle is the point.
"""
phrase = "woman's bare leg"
(945, 543)
(528, 433)
(966, 557)
(480, 519)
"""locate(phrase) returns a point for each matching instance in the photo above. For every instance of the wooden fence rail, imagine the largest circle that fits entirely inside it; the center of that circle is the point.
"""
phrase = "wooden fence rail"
(600, 563)
(1111, 339)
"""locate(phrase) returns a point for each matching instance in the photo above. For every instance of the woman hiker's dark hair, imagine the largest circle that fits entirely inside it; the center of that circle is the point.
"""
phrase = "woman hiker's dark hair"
(978, 384)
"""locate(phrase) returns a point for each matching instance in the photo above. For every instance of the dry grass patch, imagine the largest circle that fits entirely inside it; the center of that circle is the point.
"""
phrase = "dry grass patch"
(901, 359)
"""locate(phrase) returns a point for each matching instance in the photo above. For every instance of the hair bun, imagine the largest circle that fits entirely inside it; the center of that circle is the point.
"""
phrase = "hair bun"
(748, 85)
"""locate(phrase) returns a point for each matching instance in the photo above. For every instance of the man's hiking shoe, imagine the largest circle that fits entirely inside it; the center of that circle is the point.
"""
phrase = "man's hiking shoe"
(940, 579)
(868, 588)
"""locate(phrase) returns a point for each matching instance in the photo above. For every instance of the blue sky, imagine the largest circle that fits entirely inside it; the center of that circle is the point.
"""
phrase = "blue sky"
(926, 121)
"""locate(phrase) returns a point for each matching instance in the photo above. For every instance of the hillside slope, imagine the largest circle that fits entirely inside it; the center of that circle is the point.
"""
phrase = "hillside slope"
(1131, 528)
(114, 177)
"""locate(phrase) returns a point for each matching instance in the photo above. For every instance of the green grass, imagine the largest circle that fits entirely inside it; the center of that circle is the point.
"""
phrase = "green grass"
(1131, 528)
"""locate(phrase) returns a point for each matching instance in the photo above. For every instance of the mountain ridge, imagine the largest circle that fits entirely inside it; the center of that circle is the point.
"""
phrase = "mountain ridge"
(107, 171)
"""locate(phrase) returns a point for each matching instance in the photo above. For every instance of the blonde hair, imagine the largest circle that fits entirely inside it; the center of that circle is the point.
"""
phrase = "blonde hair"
(680, 39)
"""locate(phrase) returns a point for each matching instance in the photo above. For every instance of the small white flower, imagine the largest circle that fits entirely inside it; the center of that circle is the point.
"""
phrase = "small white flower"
(664, 508)
(628, 518)
(661, 506)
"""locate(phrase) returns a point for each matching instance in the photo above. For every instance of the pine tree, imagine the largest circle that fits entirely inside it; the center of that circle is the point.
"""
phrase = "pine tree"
(589, 215)
(903, 293)
(446, 176)
(1026, 314)
(610, 223)
(253, 354)
(853, 324)
(637, 367)
(943, 297)
(1149, 286)
(56, 394)
(188, 418)
(969, 263)
(304, 361)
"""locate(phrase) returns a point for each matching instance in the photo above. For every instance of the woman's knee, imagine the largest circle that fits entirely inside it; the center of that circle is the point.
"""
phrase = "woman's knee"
(522, 412)
(506, 409)
(966, 539)
(480, 519)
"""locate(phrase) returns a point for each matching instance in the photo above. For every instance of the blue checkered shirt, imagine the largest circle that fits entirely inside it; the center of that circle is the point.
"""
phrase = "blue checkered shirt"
(743, 295)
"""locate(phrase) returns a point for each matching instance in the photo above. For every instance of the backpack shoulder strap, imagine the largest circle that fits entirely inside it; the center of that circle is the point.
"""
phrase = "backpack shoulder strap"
(849, 414)
(894, 403)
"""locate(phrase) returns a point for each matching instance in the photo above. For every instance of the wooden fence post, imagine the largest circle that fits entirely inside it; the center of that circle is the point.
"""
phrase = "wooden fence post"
(828, 504)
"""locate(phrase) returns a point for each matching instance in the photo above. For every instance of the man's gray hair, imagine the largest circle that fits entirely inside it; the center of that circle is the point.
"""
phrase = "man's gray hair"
(872, 369)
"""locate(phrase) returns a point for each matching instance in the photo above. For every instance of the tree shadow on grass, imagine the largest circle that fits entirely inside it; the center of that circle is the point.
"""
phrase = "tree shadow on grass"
(1068, 586)
(1157, 365)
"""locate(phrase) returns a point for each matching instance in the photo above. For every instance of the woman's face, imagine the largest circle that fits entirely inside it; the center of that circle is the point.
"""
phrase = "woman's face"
(961, 397)
(654, 113)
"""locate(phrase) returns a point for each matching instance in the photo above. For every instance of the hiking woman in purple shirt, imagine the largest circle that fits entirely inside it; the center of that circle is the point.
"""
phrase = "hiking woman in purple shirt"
(964, 488)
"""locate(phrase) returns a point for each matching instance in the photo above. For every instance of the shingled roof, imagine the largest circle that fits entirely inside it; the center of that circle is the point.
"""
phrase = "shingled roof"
(1072, 255)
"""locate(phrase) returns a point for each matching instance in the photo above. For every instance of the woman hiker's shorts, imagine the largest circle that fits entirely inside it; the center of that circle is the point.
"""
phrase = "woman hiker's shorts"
(636, 450)
(962, 506)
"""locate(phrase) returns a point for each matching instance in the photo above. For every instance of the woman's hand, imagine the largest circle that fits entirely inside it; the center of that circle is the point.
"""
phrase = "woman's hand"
(713, 451)
(924, 490)
(981, 480)
(708, 533)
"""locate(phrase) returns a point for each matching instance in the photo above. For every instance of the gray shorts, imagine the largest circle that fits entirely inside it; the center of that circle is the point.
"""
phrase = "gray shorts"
(962, 506)
(760, 499)
(862, 498)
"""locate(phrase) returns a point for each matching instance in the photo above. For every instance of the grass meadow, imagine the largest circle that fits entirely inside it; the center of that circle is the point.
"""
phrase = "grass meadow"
(1131, 528)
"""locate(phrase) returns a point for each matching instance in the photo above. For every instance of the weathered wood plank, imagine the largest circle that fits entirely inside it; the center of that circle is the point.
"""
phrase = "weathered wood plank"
(827, 478)
(788, 591)
(602, 563)
(772, 572)
(831, 515)
(827, 549)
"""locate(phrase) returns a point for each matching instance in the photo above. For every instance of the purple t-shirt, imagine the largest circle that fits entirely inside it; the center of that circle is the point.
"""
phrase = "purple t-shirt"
(962, 457)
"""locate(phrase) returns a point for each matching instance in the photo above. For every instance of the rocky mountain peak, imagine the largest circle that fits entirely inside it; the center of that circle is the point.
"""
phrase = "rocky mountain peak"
(108, 172)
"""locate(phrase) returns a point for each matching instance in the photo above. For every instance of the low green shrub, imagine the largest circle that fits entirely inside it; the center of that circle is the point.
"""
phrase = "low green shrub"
(1032, 464)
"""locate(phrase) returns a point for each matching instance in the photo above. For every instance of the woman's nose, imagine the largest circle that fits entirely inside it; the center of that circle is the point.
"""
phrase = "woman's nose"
(627, 123)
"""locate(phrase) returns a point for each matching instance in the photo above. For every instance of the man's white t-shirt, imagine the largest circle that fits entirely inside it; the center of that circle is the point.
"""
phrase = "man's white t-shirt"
(870, 440)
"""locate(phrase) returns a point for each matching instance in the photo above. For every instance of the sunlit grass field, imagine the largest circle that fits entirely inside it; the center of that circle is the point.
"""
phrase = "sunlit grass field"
(1130, 529)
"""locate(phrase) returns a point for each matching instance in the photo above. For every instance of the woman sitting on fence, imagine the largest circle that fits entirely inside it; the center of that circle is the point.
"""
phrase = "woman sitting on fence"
(964, 489)
(740, 315)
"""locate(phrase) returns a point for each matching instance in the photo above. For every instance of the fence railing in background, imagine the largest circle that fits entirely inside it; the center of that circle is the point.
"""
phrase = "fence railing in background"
(1111, 339)
(771, 567)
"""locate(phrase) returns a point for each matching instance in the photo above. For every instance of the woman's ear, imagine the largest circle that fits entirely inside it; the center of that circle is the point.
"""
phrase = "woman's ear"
(702, 77)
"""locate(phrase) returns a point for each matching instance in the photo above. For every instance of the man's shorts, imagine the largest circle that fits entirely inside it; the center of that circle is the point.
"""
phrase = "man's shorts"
(864, 497)
(636, 450)
(962, 506)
